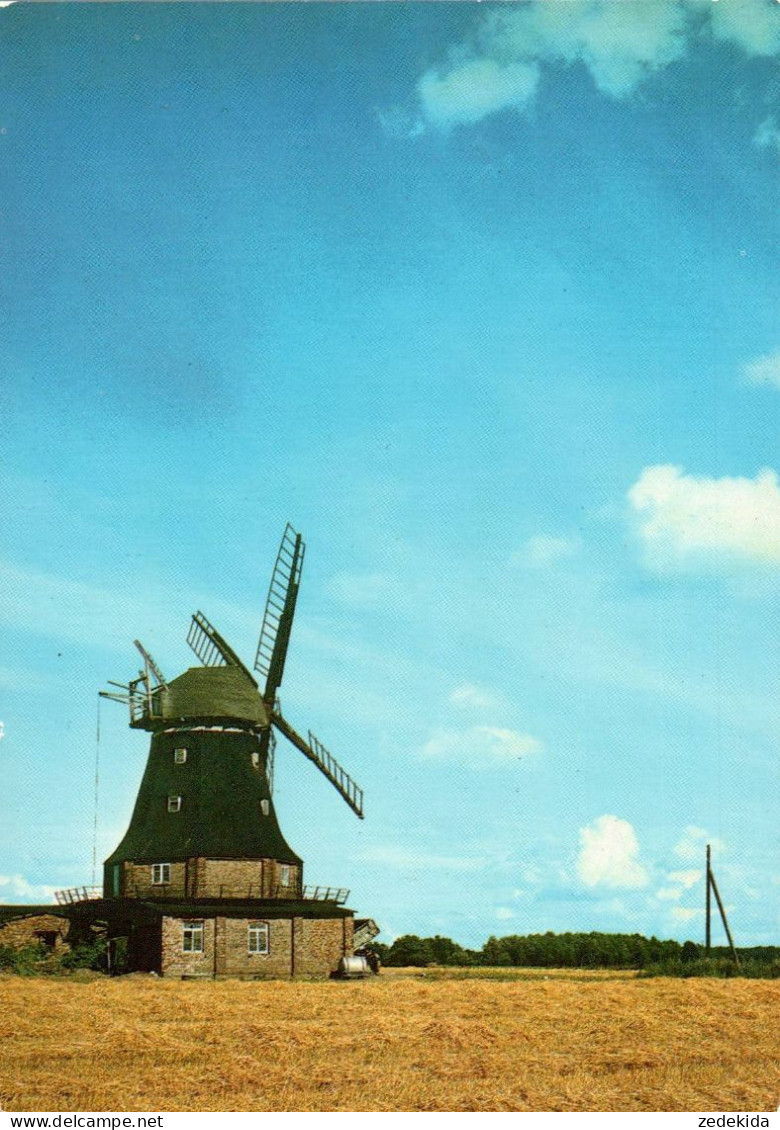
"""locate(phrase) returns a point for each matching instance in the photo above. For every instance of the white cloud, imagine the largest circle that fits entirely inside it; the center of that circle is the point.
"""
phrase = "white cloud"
(608, 854)
(754, 27)
(767, 136)
(692, 845)
(686, 879)
(764, 370)
(679, 882)
(621, 45)
(542, 550)
(467, 93)
(503, 913)
(684, 913)
(480, 746)
(469, 696)
(687, 520)
(669, 893)
(16, 886)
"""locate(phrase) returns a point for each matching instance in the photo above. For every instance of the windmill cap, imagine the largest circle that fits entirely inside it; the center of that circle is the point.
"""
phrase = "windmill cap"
(207, 692)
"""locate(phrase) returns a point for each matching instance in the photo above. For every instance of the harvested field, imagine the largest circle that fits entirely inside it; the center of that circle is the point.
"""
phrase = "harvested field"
(435, 1042)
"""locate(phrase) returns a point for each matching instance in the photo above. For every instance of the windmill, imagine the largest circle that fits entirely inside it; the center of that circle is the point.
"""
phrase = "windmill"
(204, 824)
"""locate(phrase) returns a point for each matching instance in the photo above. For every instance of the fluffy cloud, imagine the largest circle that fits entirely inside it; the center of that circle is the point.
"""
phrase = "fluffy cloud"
(685, 519)
(691, 847)
(17, 887)
(620, 44)
(543, 550)
(765, 370)
(679, 882)
(480, 746)
(684, 914)
(467, 93)
(751, 26)
(470, 696)
(608, 855)
(767, 136)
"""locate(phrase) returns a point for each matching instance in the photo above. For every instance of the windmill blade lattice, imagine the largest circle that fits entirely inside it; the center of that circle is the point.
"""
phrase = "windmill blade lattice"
(325, 762)
(150, 663)
(279, 612)
(209, 646)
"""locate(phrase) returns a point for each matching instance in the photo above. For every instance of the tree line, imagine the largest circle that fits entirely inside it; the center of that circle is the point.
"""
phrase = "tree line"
(556, 951)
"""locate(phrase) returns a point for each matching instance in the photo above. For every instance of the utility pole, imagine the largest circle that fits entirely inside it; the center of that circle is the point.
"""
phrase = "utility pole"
(708, 934)
(712, 885)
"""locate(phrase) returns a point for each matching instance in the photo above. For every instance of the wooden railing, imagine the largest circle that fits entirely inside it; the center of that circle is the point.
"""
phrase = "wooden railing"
(78, 894)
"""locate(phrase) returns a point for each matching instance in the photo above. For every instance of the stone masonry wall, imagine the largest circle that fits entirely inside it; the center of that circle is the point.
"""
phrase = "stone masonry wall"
(20, 932)
(212, 878)
(296, 945)
(320, 942)
(137, 882)
(241, 878)
(176, 963)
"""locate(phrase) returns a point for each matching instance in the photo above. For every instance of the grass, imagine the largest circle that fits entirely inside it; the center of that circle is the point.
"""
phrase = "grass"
(410, 1041)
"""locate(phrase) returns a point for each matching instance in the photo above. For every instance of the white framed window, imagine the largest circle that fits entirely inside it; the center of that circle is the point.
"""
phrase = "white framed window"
(161, 873)
(174, 804)
(192, 937)
(255, 759)
(179, 756)
(258, 938)
(284, 874)
(265, 807)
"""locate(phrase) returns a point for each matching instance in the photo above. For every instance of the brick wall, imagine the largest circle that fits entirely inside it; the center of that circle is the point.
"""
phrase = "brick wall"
(27, 931)
(320, 942)
(137, 882)
(241, 878)
(312, 946)
(176, 963)
(212, 878)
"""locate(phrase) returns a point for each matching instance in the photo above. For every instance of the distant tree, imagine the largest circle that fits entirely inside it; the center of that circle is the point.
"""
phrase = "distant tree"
(690, 952)
(410, 950)
(445, 951)
(496, 952)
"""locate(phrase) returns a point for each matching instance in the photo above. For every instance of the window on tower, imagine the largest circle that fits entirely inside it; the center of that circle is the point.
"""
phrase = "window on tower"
(255, 759)
(161, 873)
(265, 807)
(284, 875)
(258, 940)
(174, 803)
(179, 756)
(192, 937)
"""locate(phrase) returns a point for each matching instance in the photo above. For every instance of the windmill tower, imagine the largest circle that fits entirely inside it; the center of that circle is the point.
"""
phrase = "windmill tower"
(204, 863)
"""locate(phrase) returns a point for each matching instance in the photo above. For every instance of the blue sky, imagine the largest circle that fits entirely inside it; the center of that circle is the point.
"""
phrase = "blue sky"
(483, 300)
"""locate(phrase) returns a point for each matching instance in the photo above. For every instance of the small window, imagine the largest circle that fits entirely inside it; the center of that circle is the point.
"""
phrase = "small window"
(161, 873)
(174, 803)
(180, 756)
(265, 807)
(192, 937)
(284, 875)
(255, 759)
(258, 938)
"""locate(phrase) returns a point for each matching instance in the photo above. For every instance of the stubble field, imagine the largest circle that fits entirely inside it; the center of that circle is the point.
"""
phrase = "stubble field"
(396, 1043)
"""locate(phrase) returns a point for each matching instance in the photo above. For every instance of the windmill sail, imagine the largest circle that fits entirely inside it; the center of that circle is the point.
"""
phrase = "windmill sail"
(150, 664)
(325, 762)
(211, 649)
(279, 612)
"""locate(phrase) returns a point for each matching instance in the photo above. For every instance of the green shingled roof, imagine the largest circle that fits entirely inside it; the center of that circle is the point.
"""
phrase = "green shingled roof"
(221, 802)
